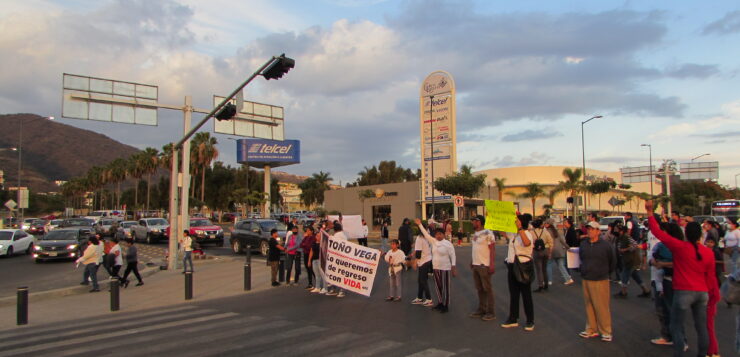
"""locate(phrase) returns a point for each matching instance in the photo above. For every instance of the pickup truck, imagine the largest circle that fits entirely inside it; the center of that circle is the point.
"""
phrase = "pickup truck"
(204, 231)
(150, 230)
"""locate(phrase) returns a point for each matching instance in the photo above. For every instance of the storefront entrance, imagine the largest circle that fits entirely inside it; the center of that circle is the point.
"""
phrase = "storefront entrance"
(381, 214)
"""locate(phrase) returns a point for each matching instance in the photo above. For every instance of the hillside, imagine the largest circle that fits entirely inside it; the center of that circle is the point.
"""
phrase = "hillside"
(52, 151)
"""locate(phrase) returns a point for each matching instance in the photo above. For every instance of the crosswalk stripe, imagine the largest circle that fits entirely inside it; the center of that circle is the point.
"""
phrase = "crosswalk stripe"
(316, 345)
(102, 336)
(81, 331)
(16, 332)
(371, 350)
(222, 348)
(171, 338)
(432, 352)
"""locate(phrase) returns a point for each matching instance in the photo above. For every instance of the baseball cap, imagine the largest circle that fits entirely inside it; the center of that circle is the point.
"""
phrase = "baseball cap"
(479, 218)
(593, 225)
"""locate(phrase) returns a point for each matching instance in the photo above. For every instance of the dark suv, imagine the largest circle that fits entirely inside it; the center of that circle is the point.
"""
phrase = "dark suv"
(256, 233)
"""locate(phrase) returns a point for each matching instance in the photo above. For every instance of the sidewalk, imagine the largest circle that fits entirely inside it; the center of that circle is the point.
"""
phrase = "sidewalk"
(211, 280)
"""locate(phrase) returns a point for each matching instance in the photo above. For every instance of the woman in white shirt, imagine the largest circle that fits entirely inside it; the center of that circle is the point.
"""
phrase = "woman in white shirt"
(520, 247)
(443, 262)
(732, 244)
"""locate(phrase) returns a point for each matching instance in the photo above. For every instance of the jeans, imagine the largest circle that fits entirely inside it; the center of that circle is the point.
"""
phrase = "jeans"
(424, 271)
(187, 257)
(273, 270)
(395, 284)
(683, 302)
(290, 260)
(560, 264)
(663, 308)
(517, 289)
(485, 291)
(91, 271)
(383, 244)
(540, 267)
(316, 267)
(733, 260)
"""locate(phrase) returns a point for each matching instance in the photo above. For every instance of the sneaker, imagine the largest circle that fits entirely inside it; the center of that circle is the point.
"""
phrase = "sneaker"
(586, 334)
(417, 301)
(645, 294)
(95, 290)
(341, 294)
(550, 283)
(397, 298)
(477, 314)
(606, 338)
(685, 347)
(661, 342)
(620, 295)
(428, 303)
(331, 293)
(139, 283)
(529, 326)
(314, 290)
(389, 298)
(488, 317)
(323, 292)
(309, 287)
(569, 282)
(510, 324)
(275, 283)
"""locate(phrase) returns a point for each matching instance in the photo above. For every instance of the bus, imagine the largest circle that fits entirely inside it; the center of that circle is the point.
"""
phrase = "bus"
(727, 208)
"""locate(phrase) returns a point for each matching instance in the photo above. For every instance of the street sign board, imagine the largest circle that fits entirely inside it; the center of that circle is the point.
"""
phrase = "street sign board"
(700, 170)
(255, 120)
(11, 204)
(99, 99)
(23, 198)
(459, 201)
(637, 174)
(261, 152)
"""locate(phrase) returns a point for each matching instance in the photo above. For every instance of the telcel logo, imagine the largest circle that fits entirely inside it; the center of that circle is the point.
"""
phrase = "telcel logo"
(270, 149)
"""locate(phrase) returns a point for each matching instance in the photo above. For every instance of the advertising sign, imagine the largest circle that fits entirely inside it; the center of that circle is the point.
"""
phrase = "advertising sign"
(700, 170)
(260, 152)
(351, 266)
(437, 131)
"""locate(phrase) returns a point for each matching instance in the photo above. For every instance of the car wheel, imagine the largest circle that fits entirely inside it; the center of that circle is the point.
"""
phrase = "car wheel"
(38, 261)
(236, 247)
(9, 253)
(264, 248)
(30, 249)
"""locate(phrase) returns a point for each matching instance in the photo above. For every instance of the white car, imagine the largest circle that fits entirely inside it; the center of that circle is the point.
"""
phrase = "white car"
(53, 224)
(27, 223)
(15, 240)
(604, 222)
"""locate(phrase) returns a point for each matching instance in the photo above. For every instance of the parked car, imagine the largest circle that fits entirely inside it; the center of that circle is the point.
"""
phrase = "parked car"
(103, 227)
(255, 233)
(63, 243)
(84, 224)
(126, 226)
(15, 240)
(53, 224)
(37, 227)
(231, 217)
(604, 222)
(27, 223)
(151, 230)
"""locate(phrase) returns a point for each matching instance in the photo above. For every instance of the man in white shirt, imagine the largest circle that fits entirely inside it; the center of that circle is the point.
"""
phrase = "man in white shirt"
(443, 262)
(338, 235)
(484, 255)
(365, 231)
(423, 254)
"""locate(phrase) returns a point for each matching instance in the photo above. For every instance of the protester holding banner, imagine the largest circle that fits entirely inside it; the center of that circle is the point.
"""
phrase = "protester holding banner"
(395, 259)
(519, 264)
(443, 262)
(484, 255)
(338, 235)
(423, 254)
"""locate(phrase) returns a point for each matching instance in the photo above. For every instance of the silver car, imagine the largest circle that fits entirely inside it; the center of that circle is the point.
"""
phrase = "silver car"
(150, 230)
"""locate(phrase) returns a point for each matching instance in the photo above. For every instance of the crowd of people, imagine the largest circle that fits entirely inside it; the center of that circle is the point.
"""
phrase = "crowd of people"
(110, 254)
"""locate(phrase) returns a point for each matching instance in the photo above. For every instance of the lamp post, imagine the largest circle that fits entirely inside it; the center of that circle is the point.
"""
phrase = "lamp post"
(583, 157)
(652, 179)
(702, 155)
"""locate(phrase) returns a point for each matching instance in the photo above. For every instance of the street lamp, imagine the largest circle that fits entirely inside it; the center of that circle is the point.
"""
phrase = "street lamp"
(583, 155)
(650, 148)
(702, 155)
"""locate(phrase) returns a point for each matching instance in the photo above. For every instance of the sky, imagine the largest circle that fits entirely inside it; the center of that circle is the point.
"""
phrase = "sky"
(527, 74)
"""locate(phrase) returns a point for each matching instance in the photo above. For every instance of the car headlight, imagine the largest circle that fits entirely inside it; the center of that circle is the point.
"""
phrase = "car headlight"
(155, 230)
(36, 247)
(220, 231)
(72, 246)
(1, 246)
(128, 234)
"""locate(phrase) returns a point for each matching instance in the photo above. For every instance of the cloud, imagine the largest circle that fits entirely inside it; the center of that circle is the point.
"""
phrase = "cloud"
(693, 70)
(728, 24)
(730, 117)
(620, 160)
(726, 134)
(530, 135)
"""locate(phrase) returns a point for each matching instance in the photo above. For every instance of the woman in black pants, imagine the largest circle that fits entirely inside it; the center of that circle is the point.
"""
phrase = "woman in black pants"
(132, 264)
(520, 247)
(309, 237)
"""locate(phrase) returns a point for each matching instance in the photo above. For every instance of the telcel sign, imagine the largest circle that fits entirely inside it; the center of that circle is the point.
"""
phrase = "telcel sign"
(260, 152)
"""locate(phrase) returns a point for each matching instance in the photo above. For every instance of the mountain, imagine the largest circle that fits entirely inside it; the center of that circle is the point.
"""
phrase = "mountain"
(52, 151)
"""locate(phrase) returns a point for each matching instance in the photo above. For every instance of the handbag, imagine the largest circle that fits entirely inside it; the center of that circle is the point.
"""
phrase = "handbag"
(731, 291)
(523, 272)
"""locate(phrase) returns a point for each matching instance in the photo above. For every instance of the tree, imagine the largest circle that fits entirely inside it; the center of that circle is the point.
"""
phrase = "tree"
(462, 183)
(117, 172)
(532, 191)
(203, 149)
(363, 195)
(313, 188)
(385, 172)
(599, 187)
(148, 163)
(500, 186)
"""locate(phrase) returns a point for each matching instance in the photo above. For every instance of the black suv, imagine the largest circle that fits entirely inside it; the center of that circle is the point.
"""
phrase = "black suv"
(256, 233)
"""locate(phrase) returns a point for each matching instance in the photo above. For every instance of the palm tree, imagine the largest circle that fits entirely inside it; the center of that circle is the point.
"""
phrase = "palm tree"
(117, 173)
(322, 180)
(532, 192)
(204, 147)
(148, 162)
(135, 171)
(500, 186)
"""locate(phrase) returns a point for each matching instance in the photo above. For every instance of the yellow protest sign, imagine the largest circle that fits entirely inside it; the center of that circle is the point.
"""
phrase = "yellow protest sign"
(501, 216)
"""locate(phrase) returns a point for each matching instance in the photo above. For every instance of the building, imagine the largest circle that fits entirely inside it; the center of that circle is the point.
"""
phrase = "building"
(291, 195)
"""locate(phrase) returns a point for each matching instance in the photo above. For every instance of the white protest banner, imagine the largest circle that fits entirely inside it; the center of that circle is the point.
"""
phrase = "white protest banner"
(351, 266)
(573, 258)
(351, 225)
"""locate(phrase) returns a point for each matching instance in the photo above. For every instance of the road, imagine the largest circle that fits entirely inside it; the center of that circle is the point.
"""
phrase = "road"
(290, 321)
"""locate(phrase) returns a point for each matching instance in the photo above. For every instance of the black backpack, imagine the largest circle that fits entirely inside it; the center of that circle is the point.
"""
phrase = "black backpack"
(539, 244)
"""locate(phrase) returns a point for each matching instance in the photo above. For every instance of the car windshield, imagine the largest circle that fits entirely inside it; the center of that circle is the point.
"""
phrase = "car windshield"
(200, 223)
(29, 220)
(96, 214)
(60, 235)
(56, 222)
(79, 222)
(270, 225)
(6, 235)
(39, 222)
(607, 220)
(128, 224)
(106, 222)
(157, 222)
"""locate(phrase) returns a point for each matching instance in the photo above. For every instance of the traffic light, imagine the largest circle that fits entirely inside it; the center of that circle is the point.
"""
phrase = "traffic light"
(278, 68)
(227, 112)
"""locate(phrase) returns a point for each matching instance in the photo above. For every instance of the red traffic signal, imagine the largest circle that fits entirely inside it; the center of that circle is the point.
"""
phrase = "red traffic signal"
(279, 67)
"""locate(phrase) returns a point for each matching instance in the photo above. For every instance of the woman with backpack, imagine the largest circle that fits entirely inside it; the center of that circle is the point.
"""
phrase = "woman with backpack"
(559, 249)
(542, 250)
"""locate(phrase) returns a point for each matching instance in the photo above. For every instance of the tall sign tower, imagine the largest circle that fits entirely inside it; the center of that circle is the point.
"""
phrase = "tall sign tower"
(438, 135)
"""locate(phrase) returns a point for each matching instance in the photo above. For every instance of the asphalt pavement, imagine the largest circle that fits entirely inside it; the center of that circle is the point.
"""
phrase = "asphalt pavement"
(289, 320)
